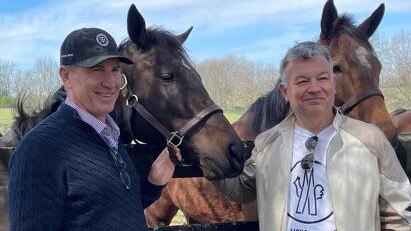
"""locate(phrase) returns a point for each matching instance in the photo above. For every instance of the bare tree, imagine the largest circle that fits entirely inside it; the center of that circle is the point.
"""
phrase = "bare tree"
(38, 82)
(395, 55)
(8, 71)
(235, 82)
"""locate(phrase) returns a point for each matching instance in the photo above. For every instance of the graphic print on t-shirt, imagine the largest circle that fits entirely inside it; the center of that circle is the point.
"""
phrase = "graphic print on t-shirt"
(309, 204)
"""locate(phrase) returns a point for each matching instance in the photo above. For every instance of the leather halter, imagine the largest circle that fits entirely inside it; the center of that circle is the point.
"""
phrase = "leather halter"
(352, 102)
(173, 138)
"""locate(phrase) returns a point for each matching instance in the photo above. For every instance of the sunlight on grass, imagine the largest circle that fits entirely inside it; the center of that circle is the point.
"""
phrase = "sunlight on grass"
(232, 116)
(6, 118)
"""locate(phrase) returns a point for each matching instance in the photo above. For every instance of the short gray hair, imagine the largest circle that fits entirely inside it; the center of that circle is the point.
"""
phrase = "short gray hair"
(303, 51)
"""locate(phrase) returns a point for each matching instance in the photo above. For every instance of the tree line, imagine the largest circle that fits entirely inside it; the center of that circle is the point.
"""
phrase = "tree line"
(233, 82)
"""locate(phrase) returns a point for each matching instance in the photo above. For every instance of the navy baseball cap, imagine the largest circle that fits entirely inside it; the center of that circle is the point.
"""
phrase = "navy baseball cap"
(88, 47)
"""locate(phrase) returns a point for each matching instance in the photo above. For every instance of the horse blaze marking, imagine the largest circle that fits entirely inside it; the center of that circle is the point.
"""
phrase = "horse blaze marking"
(362, 54)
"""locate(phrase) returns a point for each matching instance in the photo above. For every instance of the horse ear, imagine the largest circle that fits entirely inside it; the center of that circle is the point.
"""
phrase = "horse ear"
(182, 37)
(328, 17)
(369, 26)
(136, 26)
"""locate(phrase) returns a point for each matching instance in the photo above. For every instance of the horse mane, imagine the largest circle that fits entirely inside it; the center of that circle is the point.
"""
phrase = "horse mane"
(398, 111)
(268, 110)
(25, 121)
(344, 24)
(156, 36)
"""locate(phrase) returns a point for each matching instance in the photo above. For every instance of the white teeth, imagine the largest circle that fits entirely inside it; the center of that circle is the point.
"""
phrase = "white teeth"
(105, 95)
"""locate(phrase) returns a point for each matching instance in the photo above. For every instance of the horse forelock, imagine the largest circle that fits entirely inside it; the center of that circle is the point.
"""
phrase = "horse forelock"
(163, 42)
(344, 24)
(157, 37)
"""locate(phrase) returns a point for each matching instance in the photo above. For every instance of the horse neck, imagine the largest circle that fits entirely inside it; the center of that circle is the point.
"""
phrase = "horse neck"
(244, 128)
(373, 110)
(402, 121)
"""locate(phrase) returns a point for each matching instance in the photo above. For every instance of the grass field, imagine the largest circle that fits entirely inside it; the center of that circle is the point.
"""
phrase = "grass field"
(6, 117)
(232, 116)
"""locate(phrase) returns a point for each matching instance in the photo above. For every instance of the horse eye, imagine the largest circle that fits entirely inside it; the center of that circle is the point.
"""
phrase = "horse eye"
(336, 69)
(167, 76)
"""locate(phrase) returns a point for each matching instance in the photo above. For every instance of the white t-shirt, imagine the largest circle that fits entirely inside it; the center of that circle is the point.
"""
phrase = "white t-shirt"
(310, 205)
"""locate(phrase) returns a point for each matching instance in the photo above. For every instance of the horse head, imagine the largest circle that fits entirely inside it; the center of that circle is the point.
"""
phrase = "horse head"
(356, 66)
(162, 82)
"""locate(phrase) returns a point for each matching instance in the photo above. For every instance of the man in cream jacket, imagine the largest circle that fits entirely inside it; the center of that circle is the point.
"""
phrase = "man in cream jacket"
(318, 169)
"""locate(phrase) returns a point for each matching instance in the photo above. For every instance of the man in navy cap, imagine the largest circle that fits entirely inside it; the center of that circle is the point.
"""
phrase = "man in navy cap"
(70, 172)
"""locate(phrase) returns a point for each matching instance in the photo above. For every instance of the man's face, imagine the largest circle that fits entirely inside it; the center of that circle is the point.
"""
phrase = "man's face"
(311, 87)
(94, 89)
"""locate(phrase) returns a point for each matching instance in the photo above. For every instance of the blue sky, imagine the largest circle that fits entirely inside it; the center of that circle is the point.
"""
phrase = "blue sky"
(260, 30)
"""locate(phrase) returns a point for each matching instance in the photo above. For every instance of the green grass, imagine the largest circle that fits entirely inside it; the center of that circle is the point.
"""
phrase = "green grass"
(6, 118)
(232, 116)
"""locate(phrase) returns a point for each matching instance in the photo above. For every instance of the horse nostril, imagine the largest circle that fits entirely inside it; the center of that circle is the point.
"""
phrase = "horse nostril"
(237, 155)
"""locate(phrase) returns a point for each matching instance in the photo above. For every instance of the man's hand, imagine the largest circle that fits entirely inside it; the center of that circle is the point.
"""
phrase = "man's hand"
(162, 168)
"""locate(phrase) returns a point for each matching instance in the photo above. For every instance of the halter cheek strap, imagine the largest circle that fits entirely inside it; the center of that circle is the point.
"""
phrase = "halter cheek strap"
(352, 102)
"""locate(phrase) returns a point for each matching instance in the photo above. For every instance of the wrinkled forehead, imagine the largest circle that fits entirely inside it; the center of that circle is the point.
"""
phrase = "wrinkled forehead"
(315, 66)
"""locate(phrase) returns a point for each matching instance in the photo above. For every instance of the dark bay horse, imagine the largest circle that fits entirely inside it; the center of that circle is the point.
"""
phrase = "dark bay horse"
(210, 206)
(165, 83)
(357, 70)
(164, 87)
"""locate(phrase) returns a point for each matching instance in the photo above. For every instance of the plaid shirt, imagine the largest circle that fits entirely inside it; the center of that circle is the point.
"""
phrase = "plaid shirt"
(109, 131)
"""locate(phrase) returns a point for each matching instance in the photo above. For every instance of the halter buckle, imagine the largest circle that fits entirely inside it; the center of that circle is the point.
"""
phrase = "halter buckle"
(174, 140)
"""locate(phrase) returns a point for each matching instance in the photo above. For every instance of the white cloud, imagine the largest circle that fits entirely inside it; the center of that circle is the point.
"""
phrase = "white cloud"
(38, 32)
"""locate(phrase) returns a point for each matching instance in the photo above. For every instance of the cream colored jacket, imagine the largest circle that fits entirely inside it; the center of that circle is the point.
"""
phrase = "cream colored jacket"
(369, 190)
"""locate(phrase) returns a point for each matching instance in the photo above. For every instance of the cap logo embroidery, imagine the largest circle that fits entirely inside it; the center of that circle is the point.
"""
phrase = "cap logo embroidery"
(102, 39)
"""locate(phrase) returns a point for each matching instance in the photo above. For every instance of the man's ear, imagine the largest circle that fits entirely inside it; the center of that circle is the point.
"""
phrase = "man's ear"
(64, 74)
(283, 90)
